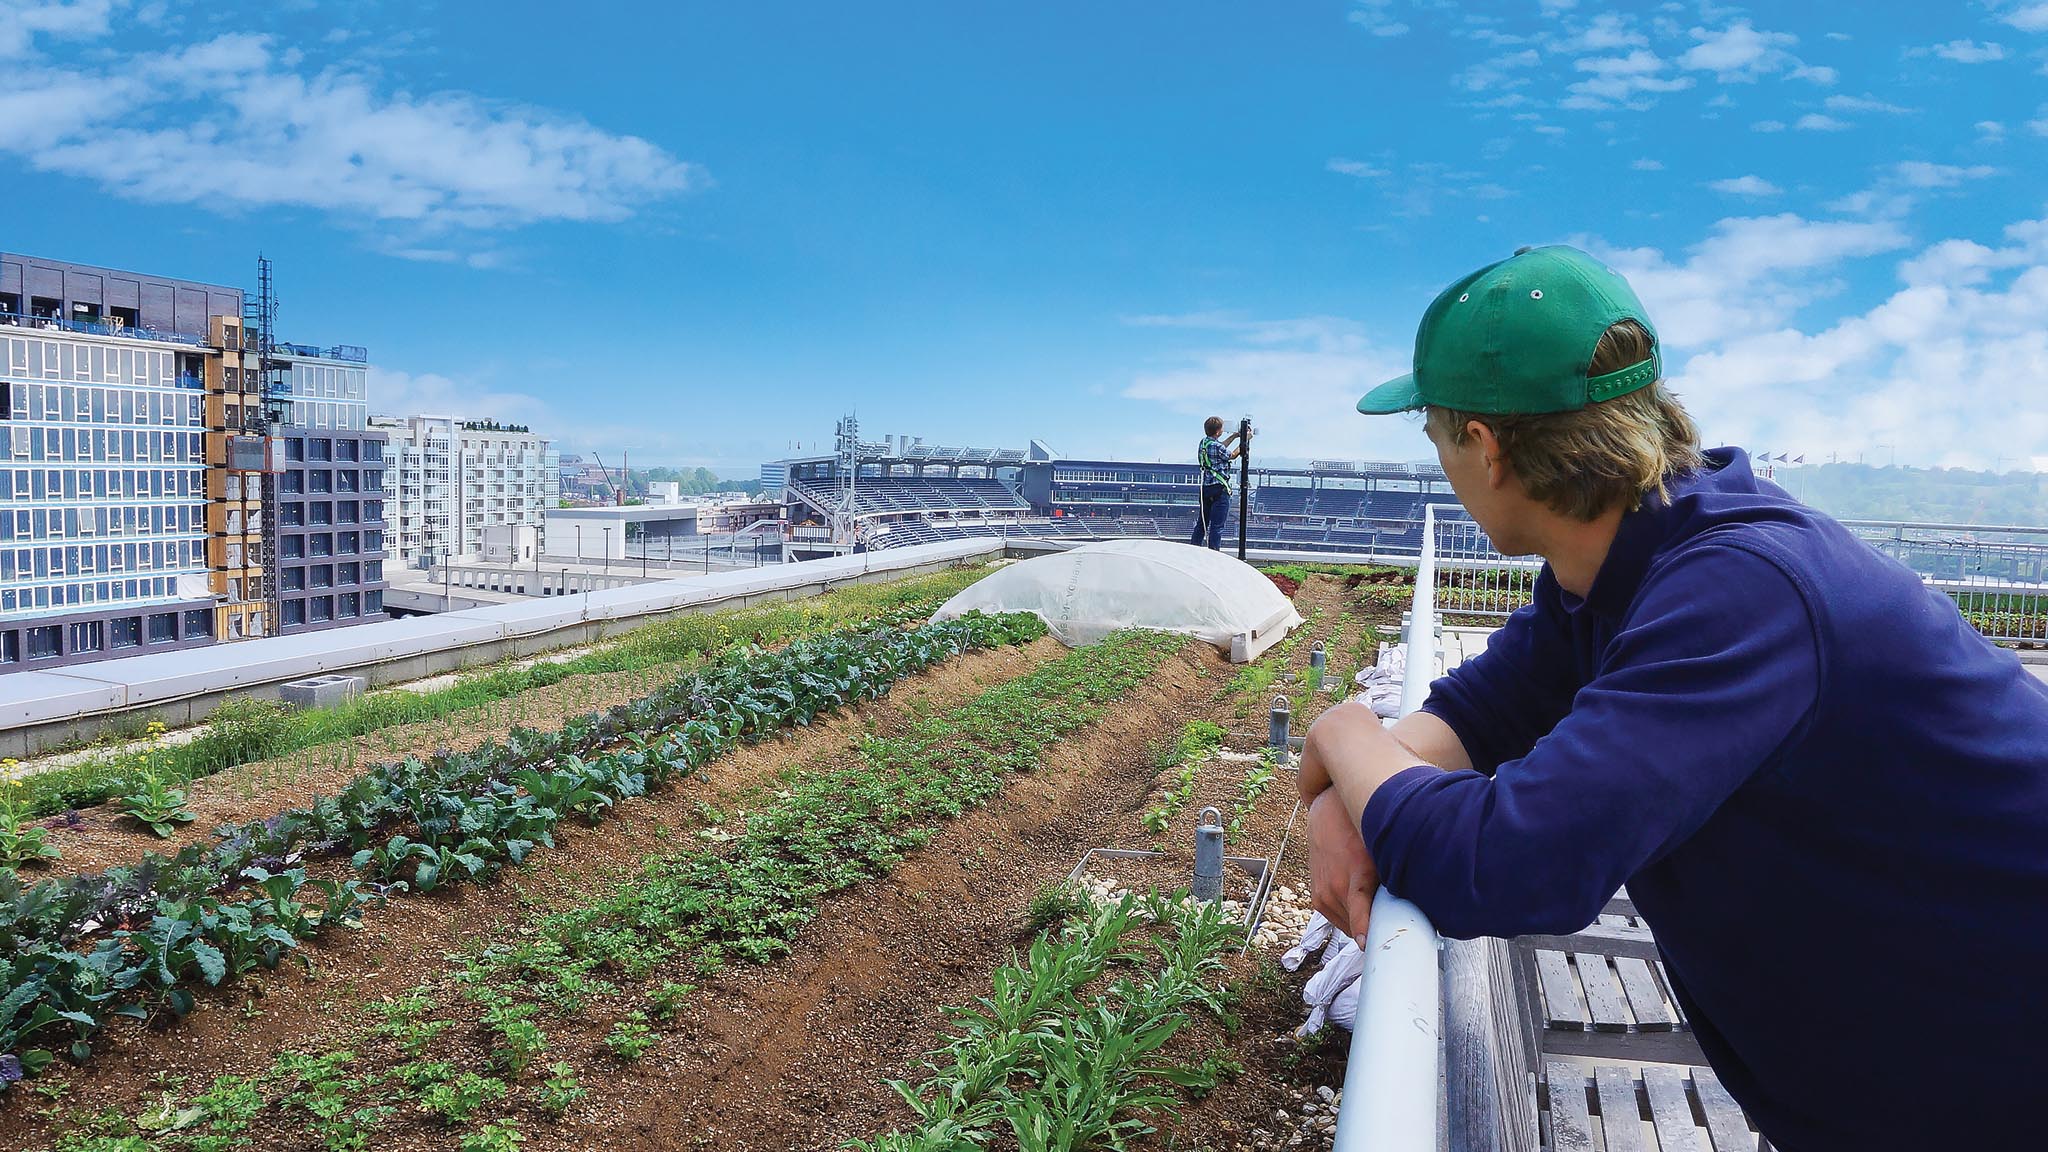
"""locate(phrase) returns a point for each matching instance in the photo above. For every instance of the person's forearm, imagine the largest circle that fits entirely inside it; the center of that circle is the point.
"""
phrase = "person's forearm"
(1435, 742)
(1349, 751)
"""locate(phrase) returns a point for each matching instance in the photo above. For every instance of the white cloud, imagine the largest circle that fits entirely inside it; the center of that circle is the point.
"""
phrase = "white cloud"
(395, 393)
(2039, 126)
(1965, 312)
(1863, 104)
(1498, 74)
(1621, 80)
(1554, 7)
(1751, 274)
(21, 21)
(1990, 130)
(1608, 32)
(1768, 126)
(2028, 17)
(1901, 186)
(1921, 174)
(1376, 17)
(1739, 52)
(230, 123)
(1295, 374)
(1358, 169)
(1969, 51)
(1648, 165)
(1754, 186)
(1815, 122)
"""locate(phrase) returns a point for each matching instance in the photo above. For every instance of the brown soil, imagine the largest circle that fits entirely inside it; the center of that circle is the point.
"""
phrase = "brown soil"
(103, 839)
(239, 1030)
(1286, 584)
(796, 1054)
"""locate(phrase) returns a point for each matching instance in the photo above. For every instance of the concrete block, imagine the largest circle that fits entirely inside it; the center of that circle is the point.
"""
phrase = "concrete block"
(322, 691)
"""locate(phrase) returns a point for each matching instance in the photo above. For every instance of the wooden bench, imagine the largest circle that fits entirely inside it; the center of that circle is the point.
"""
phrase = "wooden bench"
(1511, 1007)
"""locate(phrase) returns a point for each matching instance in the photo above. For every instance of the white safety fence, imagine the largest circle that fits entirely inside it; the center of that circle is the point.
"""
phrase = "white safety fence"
(1393, 1083)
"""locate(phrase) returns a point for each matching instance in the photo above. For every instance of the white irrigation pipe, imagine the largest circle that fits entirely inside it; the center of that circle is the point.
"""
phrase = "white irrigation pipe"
(1393, 1084)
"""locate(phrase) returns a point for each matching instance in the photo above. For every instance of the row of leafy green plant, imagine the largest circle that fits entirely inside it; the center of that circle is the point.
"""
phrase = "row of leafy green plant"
(1254, 679)
(244, 731)
(1198, 741)
(686, 915)
(1258, 780)
(1053, 1059)
(135, 941)
(827, 831)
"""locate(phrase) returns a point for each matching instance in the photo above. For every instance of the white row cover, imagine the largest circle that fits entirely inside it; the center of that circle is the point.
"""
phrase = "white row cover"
(1086, 593)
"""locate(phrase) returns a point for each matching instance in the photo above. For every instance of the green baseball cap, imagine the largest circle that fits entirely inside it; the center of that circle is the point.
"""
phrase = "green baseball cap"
(1517, 337)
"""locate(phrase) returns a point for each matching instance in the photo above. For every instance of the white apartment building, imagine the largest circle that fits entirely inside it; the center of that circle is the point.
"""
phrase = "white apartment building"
(447, 480)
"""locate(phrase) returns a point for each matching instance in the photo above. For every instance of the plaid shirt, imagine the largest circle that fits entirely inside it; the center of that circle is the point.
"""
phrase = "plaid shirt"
(1215, 461)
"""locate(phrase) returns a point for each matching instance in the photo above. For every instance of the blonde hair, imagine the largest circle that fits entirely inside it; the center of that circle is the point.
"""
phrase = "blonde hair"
(1608, 454)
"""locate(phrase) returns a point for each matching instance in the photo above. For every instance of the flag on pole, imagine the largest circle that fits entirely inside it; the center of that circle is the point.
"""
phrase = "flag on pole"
(1800, 460)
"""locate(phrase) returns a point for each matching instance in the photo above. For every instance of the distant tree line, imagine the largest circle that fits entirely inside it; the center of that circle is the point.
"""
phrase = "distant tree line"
(1943, 495)
(694, 481)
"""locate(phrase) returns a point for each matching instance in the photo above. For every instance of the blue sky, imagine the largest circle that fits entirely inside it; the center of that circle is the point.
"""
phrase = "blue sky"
(699, 232)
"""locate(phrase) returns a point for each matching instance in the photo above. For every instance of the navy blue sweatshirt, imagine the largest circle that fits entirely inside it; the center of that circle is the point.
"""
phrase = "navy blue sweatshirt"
(1827, 795)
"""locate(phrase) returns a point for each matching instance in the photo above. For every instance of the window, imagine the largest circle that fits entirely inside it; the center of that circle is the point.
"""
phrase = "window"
(345, 512)
(373, 602)
(294, 580)
(10, 647)
(42, 642)
(294, 612)
(320, 513)
(319, 449)
(126, 632)
(198, 623)
(323, 608)
(373, 571)
(348, 573)
(162, 628)
(344, 450)
(321, 544)
(346, 544)
(294, 449)
(293, 548)
(323, 575)
(373, 450)
(88, 636)
(346, 605)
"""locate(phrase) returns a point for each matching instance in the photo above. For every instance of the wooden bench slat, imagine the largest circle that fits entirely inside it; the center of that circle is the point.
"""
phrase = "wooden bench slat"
(1602, 997)
(1670, 1111)
(1608, 939)
(1664, 979)
(1645, 997)
(1621, 1117)
(1571, 1125)
(1726, 1125)
(1561, 1007)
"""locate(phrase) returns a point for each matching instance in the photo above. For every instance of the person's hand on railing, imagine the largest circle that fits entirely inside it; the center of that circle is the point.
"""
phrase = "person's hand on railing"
(1342, 877)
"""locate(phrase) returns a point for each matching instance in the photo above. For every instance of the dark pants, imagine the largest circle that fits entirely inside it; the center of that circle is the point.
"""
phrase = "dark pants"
(1214, 511)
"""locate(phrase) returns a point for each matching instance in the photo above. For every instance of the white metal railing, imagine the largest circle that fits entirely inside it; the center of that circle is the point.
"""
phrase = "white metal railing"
(1393, 1087)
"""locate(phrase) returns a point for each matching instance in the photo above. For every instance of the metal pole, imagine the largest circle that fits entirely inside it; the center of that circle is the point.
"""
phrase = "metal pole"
(1244, 480)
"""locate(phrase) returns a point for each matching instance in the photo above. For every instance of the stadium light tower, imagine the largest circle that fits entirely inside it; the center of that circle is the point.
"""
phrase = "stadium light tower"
(848, 447)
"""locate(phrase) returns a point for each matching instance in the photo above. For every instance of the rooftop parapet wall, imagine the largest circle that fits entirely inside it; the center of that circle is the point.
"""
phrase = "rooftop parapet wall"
(40, 710)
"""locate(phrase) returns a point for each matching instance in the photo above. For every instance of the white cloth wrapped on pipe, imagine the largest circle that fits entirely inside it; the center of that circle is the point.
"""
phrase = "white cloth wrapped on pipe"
(1332, 993)
(1314, 936)
(1380, 685)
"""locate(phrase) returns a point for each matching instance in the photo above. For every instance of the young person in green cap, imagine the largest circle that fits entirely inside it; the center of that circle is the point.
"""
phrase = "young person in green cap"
(1825, 792)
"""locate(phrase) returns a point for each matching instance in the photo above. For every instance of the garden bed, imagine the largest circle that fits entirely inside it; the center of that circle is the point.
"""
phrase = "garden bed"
(789, 1038)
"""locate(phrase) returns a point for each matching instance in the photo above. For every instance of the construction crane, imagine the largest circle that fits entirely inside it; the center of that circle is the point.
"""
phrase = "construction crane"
(618, 487)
